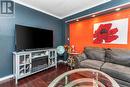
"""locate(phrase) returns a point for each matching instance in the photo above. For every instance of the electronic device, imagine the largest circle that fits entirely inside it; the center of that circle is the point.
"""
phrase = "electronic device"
(30, 38)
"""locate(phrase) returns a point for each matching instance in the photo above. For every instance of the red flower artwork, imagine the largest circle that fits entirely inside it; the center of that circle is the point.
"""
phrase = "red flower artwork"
(104, 33)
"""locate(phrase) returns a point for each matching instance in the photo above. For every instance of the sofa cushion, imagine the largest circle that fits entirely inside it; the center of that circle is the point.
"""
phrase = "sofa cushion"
(95, 53)
(122, 83)
(118, 56)
(117, 71)
(91, 64)
(89, 47)
(81, 57)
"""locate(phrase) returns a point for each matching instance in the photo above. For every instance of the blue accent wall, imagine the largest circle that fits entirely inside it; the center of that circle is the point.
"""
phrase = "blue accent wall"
(6, 45)
(28, 17)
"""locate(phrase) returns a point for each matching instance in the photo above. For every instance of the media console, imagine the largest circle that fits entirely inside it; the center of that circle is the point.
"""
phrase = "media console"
(26, 63)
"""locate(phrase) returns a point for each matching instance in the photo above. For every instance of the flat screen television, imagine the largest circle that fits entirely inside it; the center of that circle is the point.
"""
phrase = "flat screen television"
(28, 38)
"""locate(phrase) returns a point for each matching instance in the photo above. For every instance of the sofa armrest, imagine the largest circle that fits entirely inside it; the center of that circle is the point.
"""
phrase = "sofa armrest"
(78, 59)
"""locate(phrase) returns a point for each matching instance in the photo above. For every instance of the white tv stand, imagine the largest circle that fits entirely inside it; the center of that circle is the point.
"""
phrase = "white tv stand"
(26, 63)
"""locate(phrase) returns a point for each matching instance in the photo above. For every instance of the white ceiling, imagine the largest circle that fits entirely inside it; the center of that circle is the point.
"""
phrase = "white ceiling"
(61, 8)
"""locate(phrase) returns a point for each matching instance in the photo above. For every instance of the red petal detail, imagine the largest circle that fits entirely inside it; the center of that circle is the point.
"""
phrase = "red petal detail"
(107, 26)
(113, 31)
(98, 41)
(108, 37)
(111, 38)
(99, 29)
(103, 36)
(95, 35)
(102, 26)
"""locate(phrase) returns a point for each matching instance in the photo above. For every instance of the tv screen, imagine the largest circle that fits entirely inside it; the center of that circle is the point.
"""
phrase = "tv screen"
(32, 38)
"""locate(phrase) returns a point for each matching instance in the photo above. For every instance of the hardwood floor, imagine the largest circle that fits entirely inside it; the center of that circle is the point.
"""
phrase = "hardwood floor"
(41, 79)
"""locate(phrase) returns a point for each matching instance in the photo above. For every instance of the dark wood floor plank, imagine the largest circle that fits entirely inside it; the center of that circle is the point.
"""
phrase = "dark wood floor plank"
(41, 79)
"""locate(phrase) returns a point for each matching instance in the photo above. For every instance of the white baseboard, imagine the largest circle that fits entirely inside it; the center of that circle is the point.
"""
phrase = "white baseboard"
(65, 62)
(6, 78)
(62, 61)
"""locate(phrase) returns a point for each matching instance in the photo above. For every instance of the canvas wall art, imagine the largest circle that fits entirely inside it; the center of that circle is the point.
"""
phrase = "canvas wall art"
(111, 32)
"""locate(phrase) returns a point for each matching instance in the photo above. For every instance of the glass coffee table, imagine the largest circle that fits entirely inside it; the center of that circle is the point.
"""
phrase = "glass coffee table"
(84, 78)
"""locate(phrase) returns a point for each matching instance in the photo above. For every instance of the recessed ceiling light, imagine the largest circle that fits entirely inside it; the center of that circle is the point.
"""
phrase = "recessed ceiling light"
(93, 15)
(117, 9)
(77, 20)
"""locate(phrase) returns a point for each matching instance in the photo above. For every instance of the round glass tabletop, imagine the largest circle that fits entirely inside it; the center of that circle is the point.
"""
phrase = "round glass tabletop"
(84, 78)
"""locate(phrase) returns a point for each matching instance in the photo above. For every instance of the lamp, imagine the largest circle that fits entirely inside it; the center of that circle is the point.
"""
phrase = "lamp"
(60, 50)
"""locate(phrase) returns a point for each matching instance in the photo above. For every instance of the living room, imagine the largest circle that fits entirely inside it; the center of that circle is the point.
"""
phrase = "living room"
(42, 40)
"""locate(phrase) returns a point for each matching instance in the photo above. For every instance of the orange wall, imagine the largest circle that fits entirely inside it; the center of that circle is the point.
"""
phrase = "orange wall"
(81, 33)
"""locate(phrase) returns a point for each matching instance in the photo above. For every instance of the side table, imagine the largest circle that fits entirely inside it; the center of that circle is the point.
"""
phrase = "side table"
(70, 60)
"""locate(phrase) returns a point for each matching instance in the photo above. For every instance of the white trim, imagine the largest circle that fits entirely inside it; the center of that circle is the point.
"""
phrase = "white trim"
(6, 78)
(19, 2)
(62, 61)
(27, 5)
(85, 9)
(97, 12)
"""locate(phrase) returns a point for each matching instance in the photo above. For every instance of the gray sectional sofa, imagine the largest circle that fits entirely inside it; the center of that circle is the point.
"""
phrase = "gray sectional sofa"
(115, 62)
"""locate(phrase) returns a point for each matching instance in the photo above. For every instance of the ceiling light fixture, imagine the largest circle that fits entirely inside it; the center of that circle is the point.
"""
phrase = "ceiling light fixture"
(93, 15)
(77, 20)
(117, 9)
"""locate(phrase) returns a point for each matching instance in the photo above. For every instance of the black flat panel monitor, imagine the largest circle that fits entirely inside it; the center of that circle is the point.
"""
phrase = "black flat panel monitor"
(32, 38)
